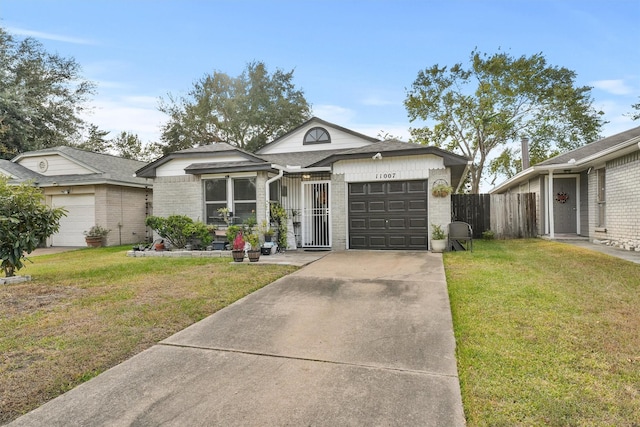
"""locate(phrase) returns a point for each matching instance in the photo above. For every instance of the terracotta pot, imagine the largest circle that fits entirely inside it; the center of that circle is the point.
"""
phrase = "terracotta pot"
(93, 241)
(254, 256)
(238, 255)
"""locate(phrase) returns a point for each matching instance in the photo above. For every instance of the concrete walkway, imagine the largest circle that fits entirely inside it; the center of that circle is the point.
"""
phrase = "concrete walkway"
(356, 338)
(633, 256)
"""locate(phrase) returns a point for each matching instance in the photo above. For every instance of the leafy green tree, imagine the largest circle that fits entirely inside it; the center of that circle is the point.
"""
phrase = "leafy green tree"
(96, 140)
(41, 96)
(247, 111)
(25, 221)
(635, 115)
(129, 146)
(497, 100)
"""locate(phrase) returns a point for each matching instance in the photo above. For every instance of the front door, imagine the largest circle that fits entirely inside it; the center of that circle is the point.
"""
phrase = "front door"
(564, 205)
(316, 220)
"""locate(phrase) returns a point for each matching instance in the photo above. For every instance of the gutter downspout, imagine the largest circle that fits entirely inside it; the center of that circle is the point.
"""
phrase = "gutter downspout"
(552, 225)
(267, 191)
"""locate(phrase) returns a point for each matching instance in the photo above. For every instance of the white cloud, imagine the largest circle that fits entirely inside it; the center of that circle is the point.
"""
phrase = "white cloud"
(334, 114)
(49, 36)
(135, 114)
(615, 87)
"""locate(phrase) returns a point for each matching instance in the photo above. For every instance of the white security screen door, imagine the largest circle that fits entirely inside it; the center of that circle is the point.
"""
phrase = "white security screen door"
(316, 214)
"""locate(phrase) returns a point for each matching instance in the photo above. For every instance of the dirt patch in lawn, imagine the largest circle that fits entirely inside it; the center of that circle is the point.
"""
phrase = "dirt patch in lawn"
(86, 311)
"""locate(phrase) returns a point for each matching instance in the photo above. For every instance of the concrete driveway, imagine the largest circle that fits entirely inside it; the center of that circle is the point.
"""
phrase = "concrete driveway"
(355, 338)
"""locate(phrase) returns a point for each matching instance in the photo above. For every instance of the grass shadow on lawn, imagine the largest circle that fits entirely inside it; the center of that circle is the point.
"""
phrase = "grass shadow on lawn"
(88, 310)
(547, 334)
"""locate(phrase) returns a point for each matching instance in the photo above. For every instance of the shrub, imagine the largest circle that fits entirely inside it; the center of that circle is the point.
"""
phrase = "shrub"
(178, 229)
(488, 235)
(25, 221)
(238, 242)
(97, 231)
(437, 233)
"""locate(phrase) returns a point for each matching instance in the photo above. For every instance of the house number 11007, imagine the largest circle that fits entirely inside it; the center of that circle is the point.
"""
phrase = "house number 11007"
(388, 175)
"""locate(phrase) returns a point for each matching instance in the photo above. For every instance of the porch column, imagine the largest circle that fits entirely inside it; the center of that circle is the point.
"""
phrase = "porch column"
(550, 205)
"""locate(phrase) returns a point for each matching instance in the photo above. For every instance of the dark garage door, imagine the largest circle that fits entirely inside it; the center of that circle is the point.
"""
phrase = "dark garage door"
(388, 215)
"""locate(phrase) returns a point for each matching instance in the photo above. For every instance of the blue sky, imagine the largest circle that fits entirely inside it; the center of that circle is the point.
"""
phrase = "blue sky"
(354, 60)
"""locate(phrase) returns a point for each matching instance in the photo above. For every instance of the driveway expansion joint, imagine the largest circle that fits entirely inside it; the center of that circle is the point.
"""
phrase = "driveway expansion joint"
(307, 359)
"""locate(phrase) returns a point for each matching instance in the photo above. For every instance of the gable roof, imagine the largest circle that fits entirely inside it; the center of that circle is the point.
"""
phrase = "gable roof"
(18, 172)
(149, 171)
(595, 149)
(395, 148)
(300, 158)
(581, 158)
(320, 122)
(108, 169)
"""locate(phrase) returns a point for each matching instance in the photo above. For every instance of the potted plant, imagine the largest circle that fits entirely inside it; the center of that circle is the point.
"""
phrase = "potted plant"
(441, 189)
(438, 239)
(238, 248)
(267, 232)
(95, 236)
(253, 251)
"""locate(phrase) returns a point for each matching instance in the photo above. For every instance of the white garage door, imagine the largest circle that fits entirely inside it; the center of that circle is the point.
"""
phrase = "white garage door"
(80, 217)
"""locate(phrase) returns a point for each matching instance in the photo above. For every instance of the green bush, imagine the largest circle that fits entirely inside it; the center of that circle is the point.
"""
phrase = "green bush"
(488, 235)
(179, 229)
(25, 221)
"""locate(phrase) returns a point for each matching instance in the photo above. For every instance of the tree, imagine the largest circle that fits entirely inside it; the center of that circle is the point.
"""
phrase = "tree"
(129, 146)
(496, 101)
(246, 111)
(636, 114)
(41, 96)
(25, 221)
(96, 140)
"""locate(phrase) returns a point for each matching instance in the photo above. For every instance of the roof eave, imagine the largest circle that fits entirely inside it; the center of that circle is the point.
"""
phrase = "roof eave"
(449, 159)
(230, 169)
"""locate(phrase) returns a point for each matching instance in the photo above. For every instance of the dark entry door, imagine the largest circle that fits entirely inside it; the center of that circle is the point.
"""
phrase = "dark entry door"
(388, 215)
(564, 205)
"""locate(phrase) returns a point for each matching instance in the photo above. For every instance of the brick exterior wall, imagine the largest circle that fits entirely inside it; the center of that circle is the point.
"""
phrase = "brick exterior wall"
(123, 211)
(338, 212)
(439, 208)
(622, 194)
(261, 201)
(178, 195)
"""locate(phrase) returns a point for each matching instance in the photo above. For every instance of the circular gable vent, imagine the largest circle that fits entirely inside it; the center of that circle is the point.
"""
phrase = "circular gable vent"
(43, 165)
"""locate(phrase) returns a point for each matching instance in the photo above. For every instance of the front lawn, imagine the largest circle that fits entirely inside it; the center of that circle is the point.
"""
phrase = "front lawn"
(88, 310)
(547, 334)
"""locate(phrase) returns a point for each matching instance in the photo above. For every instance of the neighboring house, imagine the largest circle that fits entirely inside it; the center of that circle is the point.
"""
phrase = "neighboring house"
(94, 189)
(595, 191)
(341, 189)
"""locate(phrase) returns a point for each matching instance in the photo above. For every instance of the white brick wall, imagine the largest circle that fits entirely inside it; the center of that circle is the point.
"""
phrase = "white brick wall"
(338, 212)
(123, 211)
(622, 202)
(178, 195)
(439, 207)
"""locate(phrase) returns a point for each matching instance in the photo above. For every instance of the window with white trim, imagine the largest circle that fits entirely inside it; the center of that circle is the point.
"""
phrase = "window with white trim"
(244, 198)
(215, 197)
(316, 135)
(241, 204)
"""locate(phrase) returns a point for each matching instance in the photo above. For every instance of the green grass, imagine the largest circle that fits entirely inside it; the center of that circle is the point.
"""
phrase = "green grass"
(88, 310)
(547, 334)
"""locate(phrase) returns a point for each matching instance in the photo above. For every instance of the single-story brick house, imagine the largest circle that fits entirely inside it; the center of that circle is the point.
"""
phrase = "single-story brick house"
(95, 189)
(341, 189)
(595, 191)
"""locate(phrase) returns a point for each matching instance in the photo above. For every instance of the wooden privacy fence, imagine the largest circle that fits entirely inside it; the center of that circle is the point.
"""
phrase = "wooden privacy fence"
(507, 215)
